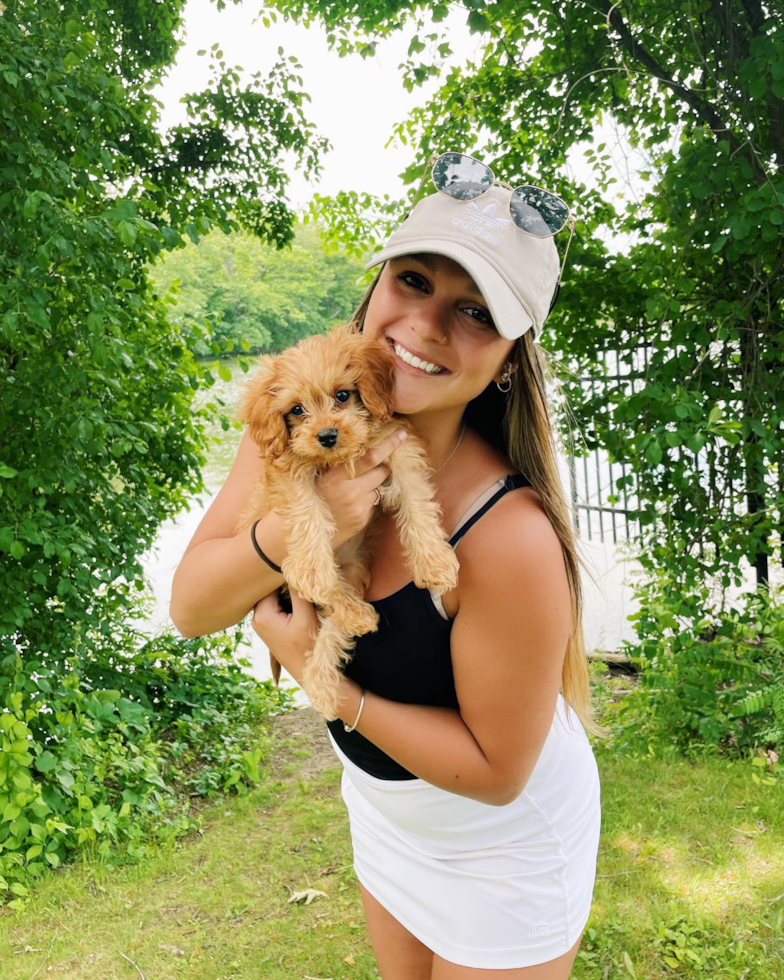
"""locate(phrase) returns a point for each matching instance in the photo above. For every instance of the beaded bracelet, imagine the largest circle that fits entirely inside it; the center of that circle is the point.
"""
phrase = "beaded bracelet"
(259, 552)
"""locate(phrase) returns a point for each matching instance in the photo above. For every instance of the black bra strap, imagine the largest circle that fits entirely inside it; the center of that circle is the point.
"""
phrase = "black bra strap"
(512, 482)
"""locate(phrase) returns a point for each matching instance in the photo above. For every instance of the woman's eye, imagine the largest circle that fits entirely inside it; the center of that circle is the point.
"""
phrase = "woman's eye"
(486, 322)
(343, 395)
(297, 410)
(406, 275)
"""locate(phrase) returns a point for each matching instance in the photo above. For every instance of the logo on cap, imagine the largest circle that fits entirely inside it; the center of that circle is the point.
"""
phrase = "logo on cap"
(481, 222)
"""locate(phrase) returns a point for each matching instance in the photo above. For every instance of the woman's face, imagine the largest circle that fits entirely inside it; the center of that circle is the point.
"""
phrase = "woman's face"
(420, 300)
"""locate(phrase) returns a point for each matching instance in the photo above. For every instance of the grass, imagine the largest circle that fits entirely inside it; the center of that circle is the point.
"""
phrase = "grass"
(690, 883)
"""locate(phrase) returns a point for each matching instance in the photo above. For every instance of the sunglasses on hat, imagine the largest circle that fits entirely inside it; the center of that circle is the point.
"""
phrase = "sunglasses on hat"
(533, 210)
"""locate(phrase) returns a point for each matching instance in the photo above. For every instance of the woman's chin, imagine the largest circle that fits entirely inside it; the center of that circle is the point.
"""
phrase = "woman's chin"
(409, 405)
(411, 394)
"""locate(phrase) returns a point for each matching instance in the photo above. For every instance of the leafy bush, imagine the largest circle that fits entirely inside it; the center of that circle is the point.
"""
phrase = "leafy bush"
(100, 728)
(708, 680)
(103, 756)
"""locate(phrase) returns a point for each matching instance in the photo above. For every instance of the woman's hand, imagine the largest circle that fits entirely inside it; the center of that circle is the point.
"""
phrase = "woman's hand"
(352, 500)
(289, 636)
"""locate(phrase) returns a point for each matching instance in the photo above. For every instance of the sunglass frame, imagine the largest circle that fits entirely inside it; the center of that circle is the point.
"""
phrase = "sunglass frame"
(570, 218)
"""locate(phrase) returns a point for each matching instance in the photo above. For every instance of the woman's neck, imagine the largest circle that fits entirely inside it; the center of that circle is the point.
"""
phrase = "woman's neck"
(440, 433)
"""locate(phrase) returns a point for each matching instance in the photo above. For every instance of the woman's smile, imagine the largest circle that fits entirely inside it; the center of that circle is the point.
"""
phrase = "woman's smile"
(415, 364)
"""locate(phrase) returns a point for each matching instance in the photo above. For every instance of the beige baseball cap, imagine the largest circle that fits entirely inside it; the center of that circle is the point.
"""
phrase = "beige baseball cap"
(517, 273)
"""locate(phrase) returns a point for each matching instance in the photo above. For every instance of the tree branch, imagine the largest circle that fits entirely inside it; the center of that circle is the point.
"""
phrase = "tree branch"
(701, 107)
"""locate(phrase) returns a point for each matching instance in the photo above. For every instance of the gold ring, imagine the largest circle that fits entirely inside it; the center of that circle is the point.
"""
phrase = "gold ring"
(379, 497)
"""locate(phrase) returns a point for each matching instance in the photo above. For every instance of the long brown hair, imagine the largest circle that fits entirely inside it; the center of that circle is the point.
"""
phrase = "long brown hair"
(517, 425)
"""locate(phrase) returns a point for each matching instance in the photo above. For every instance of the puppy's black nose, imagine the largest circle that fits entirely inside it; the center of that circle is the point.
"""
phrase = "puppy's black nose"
(328, 437)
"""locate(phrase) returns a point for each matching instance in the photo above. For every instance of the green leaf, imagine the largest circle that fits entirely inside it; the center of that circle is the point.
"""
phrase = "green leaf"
(11, 812)
(45, 762)
(653, 453)
(127, 232)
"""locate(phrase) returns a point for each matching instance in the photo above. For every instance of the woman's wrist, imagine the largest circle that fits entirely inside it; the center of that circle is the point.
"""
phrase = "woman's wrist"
(350, 694)
(268, 535)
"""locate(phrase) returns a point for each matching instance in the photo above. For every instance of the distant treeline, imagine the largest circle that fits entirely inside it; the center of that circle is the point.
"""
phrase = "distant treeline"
(253, 292)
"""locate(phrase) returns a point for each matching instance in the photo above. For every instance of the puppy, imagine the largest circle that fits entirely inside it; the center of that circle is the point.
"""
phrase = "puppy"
(323, 402)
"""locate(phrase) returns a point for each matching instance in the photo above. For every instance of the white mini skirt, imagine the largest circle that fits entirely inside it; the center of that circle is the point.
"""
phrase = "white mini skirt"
(493, 887)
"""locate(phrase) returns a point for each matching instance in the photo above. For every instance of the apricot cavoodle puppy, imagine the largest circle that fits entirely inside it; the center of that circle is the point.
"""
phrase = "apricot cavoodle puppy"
(323, 402)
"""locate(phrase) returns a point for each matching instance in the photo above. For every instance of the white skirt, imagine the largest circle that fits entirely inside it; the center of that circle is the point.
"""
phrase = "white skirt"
(493, 887)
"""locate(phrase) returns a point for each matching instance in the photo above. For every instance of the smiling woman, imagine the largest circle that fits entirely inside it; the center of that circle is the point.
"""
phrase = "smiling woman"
(471, 787)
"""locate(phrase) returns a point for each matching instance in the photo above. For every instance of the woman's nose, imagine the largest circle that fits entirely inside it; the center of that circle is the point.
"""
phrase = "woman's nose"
(430, 324)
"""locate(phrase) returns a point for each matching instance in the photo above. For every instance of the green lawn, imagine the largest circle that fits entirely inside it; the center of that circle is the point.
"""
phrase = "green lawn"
(691, 872)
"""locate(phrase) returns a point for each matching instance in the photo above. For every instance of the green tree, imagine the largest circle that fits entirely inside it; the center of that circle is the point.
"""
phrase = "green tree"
(100, 443)
(267, 298)
(697, 87)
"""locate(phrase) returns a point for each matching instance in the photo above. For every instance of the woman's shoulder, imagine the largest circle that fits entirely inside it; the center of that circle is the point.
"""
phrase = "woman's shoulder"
(482, 467)
(481, 476)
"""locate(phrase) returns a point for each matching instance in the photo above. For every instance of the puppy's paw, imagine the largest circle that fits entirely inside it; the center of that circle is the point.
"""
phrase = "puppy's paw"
(355, 617)
(440, 573)
(322, 686)
(311, 581)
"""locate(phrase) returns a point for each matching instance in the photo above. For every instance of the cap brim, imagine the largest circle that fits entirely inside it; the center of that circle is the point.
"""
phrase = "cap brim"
(509, 315)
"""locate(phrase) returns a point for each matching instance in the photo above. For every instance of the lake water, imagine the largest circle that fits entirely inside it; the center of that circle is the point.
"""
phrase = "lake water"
(608, 601)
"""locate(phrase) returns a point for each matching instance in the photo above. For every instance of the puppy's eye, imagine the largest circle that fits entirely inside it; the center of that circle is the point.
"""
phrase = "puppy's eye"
(343, 395)
(297, 410)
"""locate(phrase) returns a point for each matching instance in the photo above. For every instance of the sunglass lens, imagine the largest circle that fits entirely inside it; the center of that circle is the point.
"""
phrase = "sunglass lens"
(537, 211)
(461, 177)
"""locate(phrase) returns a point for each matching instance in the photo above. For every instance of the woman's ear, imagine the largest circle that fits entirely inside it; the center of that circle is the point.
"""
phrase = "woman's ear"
(267, 425)
(375, 374)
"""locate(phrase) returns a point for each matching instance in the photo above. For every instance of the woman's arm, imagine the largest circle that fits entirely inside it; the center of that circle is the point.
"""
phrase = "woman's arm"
(218, 582)
(220, 577)
(508, 644)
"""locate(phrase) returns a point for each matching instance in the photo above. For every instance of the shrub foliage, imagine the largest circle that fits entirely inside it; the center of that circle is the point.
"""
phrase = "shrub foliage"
(100, 439)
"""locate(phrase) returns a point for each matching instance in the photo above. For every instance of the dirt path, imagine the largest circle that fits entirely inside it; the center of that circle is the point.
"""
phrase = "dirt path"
(295, 733)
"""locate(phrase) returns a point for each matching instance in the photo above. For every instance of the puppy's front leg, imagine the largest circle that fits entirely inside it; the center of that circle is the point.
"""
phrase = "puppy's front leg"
(350, 611)
(322, 674)
(308, 527)
(410, 494)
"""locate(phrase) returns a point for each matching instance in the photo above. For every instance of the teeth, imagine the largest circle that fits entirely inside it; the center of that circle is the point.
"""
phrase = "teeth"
(409, 358)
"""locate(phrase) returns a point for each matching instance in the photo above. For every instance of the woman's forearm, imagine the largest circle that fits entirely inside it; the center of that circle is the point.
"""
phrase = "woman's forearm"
(432, 743)
(220, 581)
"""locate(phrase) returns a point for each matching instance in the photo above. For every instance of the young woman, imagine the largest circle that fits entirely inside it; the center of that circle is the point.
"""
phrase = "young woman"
(471, 788)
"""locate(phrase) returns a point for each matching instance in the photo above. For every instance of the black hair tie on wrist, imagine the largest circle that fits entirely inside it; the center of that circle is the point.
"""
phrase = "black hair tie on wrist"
(259, 552)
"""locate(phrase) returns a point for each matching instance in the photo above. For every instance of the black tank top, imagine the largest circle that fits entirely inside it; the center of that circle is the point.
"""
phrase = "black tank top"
(407, 659)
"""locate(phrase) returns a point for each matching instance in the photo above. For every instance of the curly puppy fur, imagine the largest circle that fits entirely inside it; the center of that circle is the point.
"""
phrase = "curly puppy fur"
(327, 401)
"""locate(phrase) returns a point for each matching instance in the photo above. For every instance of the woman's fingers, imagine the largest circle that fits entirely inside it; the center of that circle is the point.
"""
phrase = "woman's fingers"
(368, 467)
(368, 462)
(351, 499)
(264, 610)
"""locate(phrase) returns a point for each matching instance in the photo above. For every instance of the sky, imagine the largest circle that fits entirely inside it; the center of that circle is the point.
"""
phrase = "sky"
(355, 103)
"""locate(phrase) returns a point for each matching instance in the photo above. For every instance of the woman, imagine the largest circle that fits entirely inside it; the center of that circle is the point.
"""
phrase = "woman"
(471, 788)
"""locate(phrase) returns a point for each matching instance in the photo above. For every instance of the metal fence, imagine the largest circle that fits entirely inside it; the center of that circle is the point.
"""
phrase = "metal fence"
(592, 478)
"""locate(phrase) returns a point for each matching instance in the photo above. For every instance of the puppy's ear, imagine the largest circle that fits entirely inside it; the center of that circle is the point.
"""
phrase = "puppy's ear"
(375, 373)
(267, 425)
